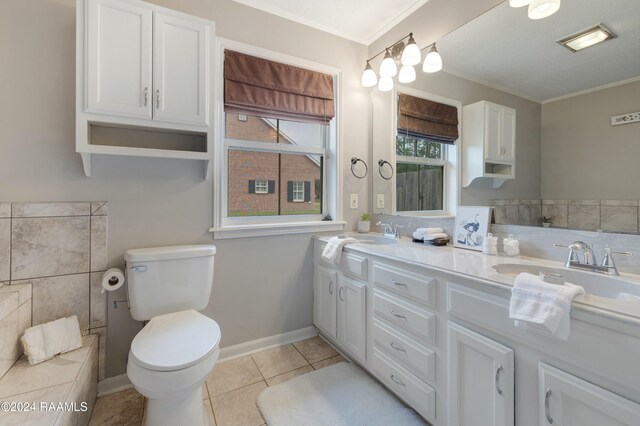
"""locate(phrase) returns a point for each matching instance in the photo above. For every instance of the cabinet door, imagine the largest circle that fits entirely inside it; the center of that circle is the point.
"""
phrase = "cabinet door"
(566, 400)
(508, 135)
(493, 132)
(118, 58)
(351, 317)
(181, 67)
(481, 381)
(325, 289)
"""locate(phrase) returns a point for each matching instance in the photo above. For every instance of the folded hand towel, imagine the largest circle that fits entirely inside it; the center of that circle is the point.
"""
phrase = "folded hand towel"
(44, 341)
(420, 233)
(542, 307)
(431, 237)
(333, 251)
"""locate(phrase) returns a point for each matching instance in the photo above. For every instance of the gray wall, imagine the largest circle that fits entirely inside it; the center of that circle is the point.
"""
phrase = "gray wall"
(583, 156)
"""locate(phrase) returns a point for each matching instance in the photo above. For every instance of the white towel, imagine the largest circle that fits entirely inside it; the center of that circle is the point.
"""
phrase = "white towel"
(333, 250)
(420, 233)
(542, 307)
(45, 341)
(431, 237)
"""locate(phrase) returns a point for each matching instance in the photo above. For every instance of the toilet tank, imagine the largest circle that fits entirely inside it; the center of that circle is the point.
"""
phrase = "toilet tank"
(162, 280)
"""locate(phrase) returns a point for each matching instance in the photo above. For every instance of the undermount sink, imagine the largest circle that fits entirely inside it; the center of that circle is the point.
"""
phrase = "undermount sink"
(376, 240)
(593, 283)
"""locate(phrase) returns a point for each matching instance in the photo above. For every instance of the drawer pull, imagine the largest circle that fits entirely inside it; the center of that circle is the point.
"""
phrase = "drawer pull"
(396, 381)
(498, 371)
(399, 284)
(397, 348)
(547, 396)
(397, 315)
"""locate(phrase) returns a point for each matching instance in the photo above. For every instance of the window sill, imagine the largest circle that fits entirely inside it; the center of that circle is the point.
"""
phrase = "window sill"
(263, 230)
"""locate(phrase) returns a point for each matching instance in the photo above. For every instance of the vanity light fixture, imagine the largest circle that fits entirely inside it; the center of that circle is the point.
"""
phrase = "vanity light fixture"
(519, 3)
(539, 9)
(586, 38)
(400, 54)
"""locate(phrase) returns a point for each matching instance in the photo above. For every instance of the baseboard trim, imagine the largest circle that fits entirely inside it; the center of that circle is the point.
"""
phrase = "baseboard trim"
(243, 349)
(119, 383)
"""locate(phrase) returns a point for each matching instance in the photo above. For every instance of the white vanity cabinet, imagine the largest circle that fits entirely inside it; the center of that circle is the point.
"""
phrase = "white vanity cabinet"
(146, 64)
(352, 317)
(566, 400)
(324, 301)
(489, 143)
(481, 380)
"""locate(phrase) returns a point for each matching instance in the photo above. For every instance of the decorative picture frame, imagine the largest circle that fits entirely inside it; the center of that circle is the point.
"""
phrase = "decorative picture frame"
(471, 227)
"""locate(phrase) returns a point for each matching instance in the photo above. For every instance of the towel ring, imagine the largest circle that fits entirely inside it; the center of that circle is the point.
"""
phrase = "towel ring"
(381, 164)
(354, 161)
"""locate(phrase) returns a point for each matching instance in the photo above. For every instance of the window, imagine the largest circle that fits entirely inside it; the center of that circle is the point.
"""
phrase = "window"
(262, 187)
(297, 192)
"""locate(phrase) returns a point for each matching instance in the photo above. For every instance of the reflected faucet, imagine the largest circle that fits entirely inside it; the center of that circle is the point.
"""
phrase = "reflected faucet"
(390, 231)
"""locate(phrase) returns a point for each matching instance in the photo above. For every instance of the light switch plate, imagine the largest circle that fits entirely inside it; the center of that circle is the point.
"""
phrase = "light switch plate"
(354, 201)
(380, 202)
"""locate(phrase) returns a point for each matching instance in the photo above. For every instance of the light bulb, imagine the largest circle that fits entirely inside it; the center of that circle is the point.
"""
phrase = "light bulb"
(433, 60)
(388, 66)
(519, 3)
(411, 53)
(407, 74)
(385, 84)
(369, 77)
(540, 9)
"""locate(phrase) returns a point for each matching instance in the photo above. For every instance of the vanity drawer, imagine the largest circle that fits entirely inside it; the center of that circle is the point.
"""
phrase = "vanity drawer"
(418, 287)
(418, 359)
(418, 394)
(418, 321)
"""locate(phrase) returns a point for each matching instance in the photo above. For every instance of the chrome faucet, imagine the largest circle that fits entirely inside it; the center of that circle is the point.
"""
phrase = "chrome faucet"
(588, 261)
(390, 230)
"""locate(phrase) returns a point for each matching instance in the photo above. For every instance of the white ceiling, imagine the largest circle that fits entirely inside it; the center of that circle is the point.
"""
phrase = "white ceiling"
(362, 21)
(506, 49)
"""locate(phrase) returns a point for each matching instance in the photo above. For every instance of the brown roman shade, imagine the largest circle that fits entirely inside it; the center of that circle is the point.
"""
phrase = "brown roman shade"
(256, 86)
(425, 119)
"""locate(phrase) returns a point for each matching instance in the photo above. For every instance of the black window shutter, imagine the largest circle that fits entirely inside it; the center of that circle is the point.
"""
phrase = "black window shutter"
(290, 191)
(252, 187)
(307, 191)
(272, 186)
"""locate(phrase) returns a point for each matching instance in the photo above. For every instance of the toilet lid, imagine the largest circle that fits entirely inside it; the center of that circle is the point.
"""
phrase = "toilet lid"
(175, 341)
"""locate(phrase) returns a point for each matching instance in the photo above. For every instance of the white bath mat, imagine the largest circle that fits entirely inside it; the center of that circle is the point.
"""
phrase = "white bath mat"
(339, 395)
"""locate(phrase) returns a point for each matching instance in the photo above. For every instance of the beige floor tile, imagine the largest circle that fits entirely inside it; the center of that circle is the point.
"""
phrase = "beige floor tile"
(330, 361)
(238, 407)
(234, 374)
(315, 349)
(205, 391)
(208, 413)
(290, 375)
(120, 408)
(279, 360)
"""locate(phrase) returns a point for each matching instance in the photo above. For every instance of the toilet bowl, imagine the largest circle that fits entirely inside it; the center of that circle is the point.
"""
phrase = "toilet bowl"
(168, 363)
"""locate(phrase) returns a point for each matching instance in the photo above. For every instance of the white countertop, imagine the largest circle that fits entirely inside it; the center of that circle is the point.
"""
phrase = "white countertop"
(476, 265)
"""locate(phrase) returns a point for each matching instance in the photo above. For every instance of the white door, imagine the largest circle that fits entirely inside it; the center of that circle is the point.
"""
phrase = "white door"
(351, 317)
(118, 63)
(566, 400)
(325, 287)
(481, 381)
(493, 132)
(508, 135)
(181, 66)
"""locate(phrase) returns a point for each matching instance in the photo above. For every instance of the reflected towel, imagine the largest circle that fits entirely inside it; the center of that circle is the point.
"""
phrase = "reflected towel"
(542, 307)
(421, 233)
(333, 250)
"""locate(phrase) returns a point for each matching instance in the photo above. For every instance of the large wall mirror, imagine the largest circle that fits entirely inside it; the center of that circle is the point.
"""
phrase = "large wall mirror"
(575, 162)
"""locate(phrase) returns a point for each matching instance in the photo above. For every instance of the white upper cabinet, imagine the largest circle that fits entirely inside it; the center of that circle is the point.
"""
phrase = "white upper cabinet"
(119, 71)
(481, 380)
(499, 130)
(180, 69)
(566, 400)
(147, 64)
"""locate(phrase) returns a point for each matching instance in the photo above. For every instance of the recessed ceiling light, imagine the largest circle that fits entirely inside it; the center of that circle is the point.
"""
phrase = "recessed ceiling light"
(587, 38)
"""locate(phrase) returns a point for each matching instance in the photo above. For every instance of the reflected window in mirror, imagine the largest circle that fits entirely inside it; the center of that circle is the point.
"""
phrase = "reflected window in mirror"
(420, 176)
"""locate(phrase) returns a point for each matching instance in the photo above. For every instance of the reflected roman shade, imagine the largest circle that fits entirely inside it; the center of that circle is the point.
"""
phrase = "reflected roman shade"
(424, 119)
(256, 86)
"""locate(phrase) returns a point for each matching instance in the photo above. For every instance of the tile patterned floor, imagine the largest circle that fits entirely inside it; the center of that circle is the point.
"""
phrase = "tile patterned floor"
(231, 389)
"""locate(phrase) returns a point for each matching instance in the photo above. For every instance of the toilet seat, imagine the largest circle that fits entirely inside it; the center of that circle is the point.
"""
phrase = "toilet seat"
(175, 341)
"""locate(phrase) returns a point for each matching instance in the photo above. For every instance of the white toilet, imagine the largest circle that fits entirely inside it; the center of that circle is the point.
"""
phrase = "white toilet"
(171, 356)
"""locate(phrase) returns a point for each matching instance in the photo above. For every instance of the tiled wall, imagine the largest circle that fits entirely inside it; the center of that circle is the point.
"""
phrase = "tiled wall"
(606, 215)
(61, 250)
